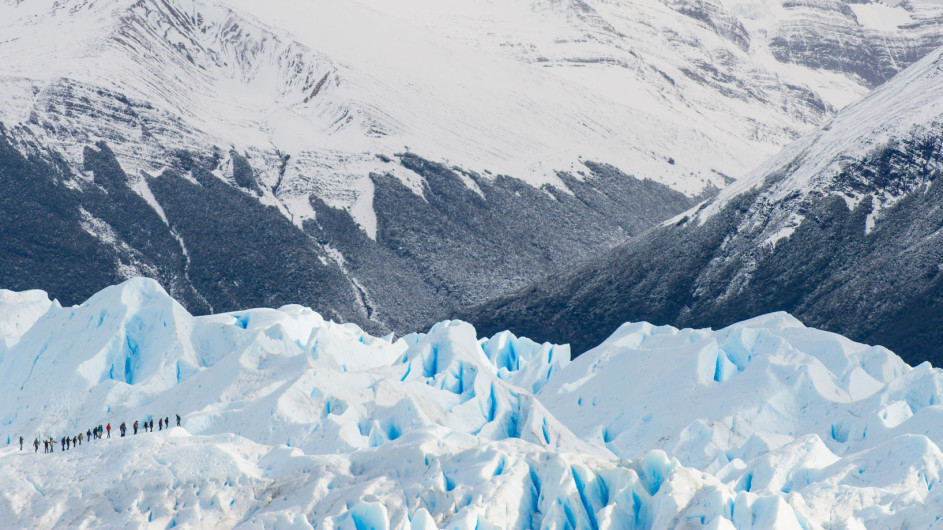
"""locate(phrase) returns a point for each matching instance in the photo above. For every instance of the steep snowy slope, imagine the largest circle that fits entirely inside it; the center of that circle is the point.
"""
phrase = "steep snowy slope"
(841, 229)
(493, 136)
(291, 421)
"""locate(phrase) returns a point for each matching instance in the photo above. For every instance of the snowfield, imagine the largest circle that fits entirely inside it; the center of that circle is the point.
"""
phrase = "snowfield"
(686, 93)
(290, 421)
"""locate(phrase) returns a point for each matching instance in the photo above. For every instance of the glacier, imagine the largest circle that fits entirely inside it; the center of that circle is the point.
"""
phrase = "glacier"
(294, 421)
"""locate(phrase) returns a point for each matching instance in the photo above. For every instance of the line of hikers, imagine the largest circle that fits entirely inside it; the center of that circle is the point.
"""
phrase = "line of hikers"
(96, 433)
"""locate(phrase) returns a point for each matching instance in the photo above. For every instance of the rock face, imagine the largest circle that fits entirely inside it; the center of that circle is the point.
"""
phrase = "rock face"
(425, 159)
(842, 229)
(849, 44)
(215, 246)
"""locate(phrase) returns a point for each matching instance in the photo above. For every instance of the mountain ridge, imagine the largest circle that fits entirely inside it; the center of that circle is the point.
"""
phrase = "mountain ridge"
(841, 229)
(591, 118)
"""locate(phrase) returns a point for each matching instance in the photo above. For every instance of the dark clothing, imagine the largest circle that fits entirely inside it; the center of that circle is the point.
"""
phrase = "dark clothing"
(178, 420)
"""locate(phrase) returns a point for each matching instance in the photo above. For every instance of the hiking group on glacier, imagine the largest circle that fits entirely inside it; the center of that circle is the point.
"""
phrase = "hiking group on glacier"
(96, 433)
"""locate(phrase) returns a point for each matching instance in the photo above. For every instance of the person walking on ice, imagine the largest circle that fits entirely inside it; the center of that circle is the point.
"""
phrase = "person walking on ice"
(21, 443)
(108, 428)
(36, 445)
(135, 426)
(178, 420)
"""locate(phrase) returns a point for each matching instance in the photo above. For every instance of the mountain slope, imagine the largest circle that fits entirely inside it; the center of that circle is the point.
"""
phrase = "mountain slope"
(292, 421)
(425, 158)
(841, 229)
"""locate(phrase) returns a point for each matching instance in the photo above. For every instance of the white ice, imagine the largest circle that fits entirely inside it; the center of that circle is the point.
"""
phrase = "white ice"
(290, 421)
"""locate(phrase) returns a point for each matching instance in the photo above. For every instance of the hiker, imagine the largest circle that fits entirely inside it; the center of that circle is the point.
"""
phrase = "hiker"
(160, 424)
(36, 445)
(167, 422)
(88, 435)
(21, 443)
(151, 423)
(63, 443)
(135, 426)
(74, 440)
(178, 420)
(45, 446)
(123, 429)
(52, 445)
(108, 428)
(80, 438)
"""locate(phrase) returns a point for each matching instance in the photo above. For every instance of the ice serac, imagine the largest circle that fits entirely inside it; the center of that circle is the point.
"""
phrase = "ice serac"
(21, 310)
(522, 361)
(291, 420)
(794, 407)
(282, 408)
(483, 392)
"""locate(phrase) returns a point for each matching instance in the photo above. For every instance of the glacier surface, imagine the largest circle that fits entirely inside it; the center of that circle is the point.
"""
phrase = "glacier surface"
(291, 421)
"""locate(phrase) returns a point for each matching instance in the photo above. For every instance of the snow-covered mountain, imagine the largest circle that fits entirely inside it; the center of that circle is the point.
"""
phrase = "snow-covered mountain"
(842, 229)
(437, 153)
(290, 421)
